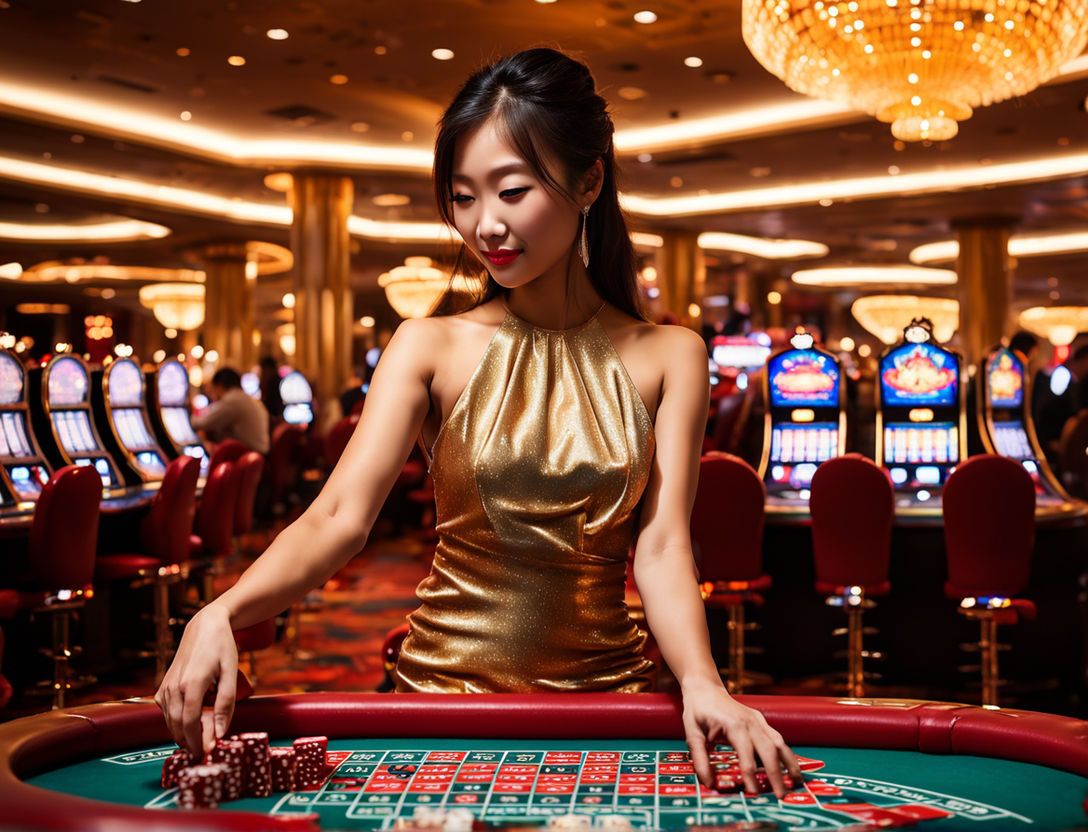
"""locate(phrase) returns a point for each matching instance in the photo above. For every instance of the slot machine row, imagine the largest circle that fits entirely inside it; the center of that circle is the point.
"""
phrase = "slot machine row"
(168, 388)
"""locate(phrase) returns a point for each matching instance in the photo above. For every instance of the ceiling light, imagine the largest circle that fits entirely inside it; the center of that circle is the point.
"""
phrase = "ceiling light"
(42, 308)
(886, 316)
(414, 288)
(862, 275)
(631, 93)
(442, 54)
(182, 52)
(769, 249)
(112, 231)
(288, 300)
(390, 200)
(54, 270)
(646, 240)
(1020, 245)
(10, 271)
(185, 115)
(359, 127)
(277, 34)
(280, 181)
(693, 62)
(175, 305)
(858, 53)
(236, 60)
(338, 79)
(645, 17)
(774, 297)
(368, 320)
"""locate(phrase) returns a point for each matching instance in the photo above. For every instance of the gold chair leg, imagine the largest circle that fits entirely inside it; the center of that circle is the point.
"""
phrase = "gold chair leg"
(988, 649)
(736, 648)
(855, 674)
(164, 640)
(61, 655)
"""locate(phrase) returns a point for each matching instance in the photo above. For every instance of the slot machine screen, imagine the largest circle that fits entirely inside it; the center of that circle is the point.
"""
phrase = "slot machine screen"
(11, 380)
(803, 378)
(797, 450)
(74, 429)
(918, 444)
(151, 463)
(15, 436)
(1011, 440)
(739, 351)
(918, 375)
(102, 466)
(126, 384)
(131, 428)
(173, 385)
(176, 420)
(67, 382)
(1005, 380)
(28, 480)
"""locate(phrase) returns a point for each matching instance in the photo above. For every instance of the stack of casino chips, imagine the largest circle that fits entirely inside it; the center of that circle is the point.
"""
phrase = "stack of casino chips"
(728, 777)
(244, 766)
(310, 762)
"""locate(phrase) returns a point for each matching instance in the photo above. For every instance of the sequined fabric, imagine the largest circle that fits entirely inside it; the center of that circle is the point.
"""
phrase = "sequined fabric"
(538, 473)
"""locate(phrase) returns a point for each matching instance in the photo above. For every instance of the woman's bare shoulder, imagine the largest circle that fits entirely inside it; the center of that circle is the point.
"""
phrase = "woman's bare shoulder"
(443, 331)
(665, 342)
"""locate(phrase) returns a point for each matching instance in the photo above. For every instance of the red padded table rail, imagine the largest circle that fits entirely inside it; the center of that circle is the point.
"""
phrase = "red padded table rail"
(35, 744)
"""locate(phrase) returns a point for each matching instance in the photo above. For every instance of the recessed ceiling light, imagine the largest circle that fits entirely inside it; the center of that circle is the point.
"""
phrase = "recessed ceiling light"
(359, 127)
(645, 157)
(185, 115)
(182, 52)
(693, 61)
(236, 60)
(338, 79)
(277, 34)
(380, 50)
(407, 136)
(391, 200)
(631, 93)
(280, 181)
(645, 17)
(442, 54)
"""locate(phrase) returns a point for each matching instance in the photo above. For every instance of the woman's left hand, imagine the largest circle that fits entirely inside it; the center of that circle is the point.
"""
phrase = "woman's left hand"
(712, 716)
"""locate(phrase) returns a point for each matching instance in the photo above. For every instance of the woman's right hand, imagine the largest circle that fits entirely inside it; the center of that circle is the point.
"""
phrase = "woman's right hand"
(207, 655)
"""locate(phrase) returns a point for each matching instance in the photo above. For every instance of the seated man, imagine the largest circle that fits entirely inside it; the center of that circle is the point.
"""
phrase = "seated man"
(233, 414)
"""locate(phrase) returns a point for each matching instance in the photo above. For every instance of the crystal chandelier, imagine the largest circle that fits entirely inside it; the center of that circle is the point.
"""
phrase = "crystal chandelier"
(921, 65)
(414, 288)
(885, 316)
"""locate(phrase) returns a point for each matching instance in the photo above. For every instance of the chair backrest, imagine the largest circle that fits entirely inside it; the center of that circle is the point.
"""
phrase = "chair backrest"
(226, 451)
(250, 466)
(337, 438)
(852, 503)
(215, 514)
(286, 439)
(166, 530)
(989, 526)
(730, 419)
(64, 533)
(727, 519)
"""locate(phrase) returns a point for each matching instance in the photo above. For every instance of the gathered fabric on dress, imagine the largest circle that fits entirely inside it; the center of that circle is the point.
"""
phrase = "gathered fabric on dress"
(538, 473)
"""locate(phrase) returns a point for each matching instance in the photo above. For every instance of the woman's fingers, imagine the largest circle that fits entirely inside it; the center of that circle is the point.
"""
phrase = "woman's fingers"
(700, 759)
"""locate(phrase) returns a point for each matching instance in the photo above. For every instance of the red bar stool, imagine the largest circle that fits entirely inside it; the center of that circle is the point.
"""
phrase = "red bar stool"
(165, 542)
(252, 639)
(61, 559)
(727, 541)
(852, 504)
(251, 467)
(212, 538)
(229, 450)
(989, 533)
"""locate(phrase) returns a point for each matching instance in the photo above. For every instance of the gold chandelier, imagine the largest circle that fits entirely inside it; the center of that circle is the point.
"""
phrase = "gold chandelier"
(414, 288)
(886, 316)
(1058, 324)
(921, 65)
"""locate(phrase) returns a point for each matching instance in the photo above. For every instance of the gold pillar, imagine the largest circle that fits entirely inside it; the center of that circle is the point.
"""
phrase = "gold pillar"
(228, 305)
(321, 205)
(985, 285)
(681, 275)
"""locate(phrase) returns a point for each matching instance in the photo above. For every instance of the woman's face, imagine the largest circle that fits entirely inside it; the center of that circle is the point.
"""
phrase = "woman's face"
(518, 227)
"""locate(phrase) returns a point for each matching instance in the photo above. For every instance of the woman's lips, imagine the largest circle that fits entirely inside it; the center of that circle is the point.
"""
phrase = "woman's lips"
(502, 256)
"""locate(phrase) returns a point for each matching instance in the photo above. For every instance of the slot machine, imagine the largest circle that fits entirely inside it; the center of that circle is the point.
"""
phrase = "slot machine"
(63, 422)
(118, 402)
(25, 470)
(920, 418)
(298, 398)
(169, 386)
(805, 421)
(1004, 416)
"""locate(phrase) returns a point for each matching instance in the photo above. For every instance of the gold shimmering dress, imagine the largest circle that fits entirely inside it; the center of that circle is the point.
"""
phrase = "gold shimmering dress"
(538, 473)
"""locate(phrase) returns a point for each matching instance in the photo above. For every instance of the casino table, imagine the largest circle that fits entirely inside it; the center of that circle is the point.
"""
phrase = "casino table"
(518, 760)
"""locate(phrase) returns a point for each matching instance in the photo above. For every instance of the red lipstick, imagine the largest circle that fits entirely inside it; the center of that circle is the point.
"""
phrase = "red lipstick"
(502, 256)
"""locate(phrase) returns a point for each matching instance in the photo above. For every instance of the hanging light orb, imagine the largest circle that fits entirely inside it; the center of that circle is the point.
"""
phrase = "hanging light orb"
(175, 305)
(920, 65)
(886, 316)
(414, 288)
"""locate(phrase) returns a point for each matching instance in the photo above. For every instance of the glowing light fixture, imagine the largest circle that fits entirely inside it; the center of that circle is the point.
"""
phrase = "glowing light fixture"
(863, 275)
(886, 316)
(175, 305)
(920, 67)
(767, 248)
(1020, 245)
(53, 270)
(442, 54)
(1058, 324)
(414, 288)
(645, 17)
(71, 232)
(11, 271)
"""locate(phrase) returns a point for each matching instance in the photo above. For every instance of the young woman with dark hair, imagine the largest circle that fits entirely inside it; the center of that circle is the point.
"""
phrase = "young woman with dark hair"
(562, 428)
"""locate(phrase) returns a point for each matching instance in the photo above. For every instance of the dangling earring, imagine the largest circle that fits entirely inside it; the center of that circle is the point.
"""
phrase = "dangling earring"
(583, 243)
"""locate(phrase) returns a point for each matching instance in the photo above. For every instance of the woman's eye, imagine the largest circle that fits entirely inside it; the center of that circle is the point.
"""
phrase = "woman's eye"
(460, 198)
(509, 193)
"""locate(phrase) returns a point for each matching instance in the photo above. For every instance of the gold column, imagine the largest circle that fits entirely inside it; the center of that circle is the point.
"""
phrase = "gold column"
(228, 305)
(681, 275)
(321, 205)
(985, 285)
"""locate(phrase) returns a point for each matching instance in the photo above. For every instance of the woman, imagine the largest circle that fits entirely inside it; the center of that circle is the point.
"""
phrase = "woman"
(562, 426)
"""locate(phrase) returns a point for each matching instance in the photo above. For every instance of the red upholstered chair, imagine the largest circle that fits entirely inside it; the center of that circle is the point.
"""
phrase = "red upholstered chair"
(727, 541)
(61, 560)
(337, 438)
(252, 639)
(852, 504)
(228, 450)
(250, 466)
(212, 538)
(283, 470)
(989, 533)
(165, 538)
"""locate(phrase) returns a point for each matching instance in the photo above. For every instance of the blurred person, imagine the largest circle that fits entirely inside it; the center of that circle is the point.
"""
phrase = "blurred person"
(233, 414)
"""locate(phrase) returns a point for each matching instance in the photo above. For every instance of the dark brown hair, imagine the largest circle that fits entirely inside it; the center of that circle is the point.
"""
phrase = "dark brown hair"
(547, 106)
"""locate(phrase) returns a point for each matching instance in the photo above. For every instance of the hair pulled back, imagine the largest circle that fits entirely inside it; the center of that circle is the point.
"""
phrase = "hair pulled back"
(547, 107)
